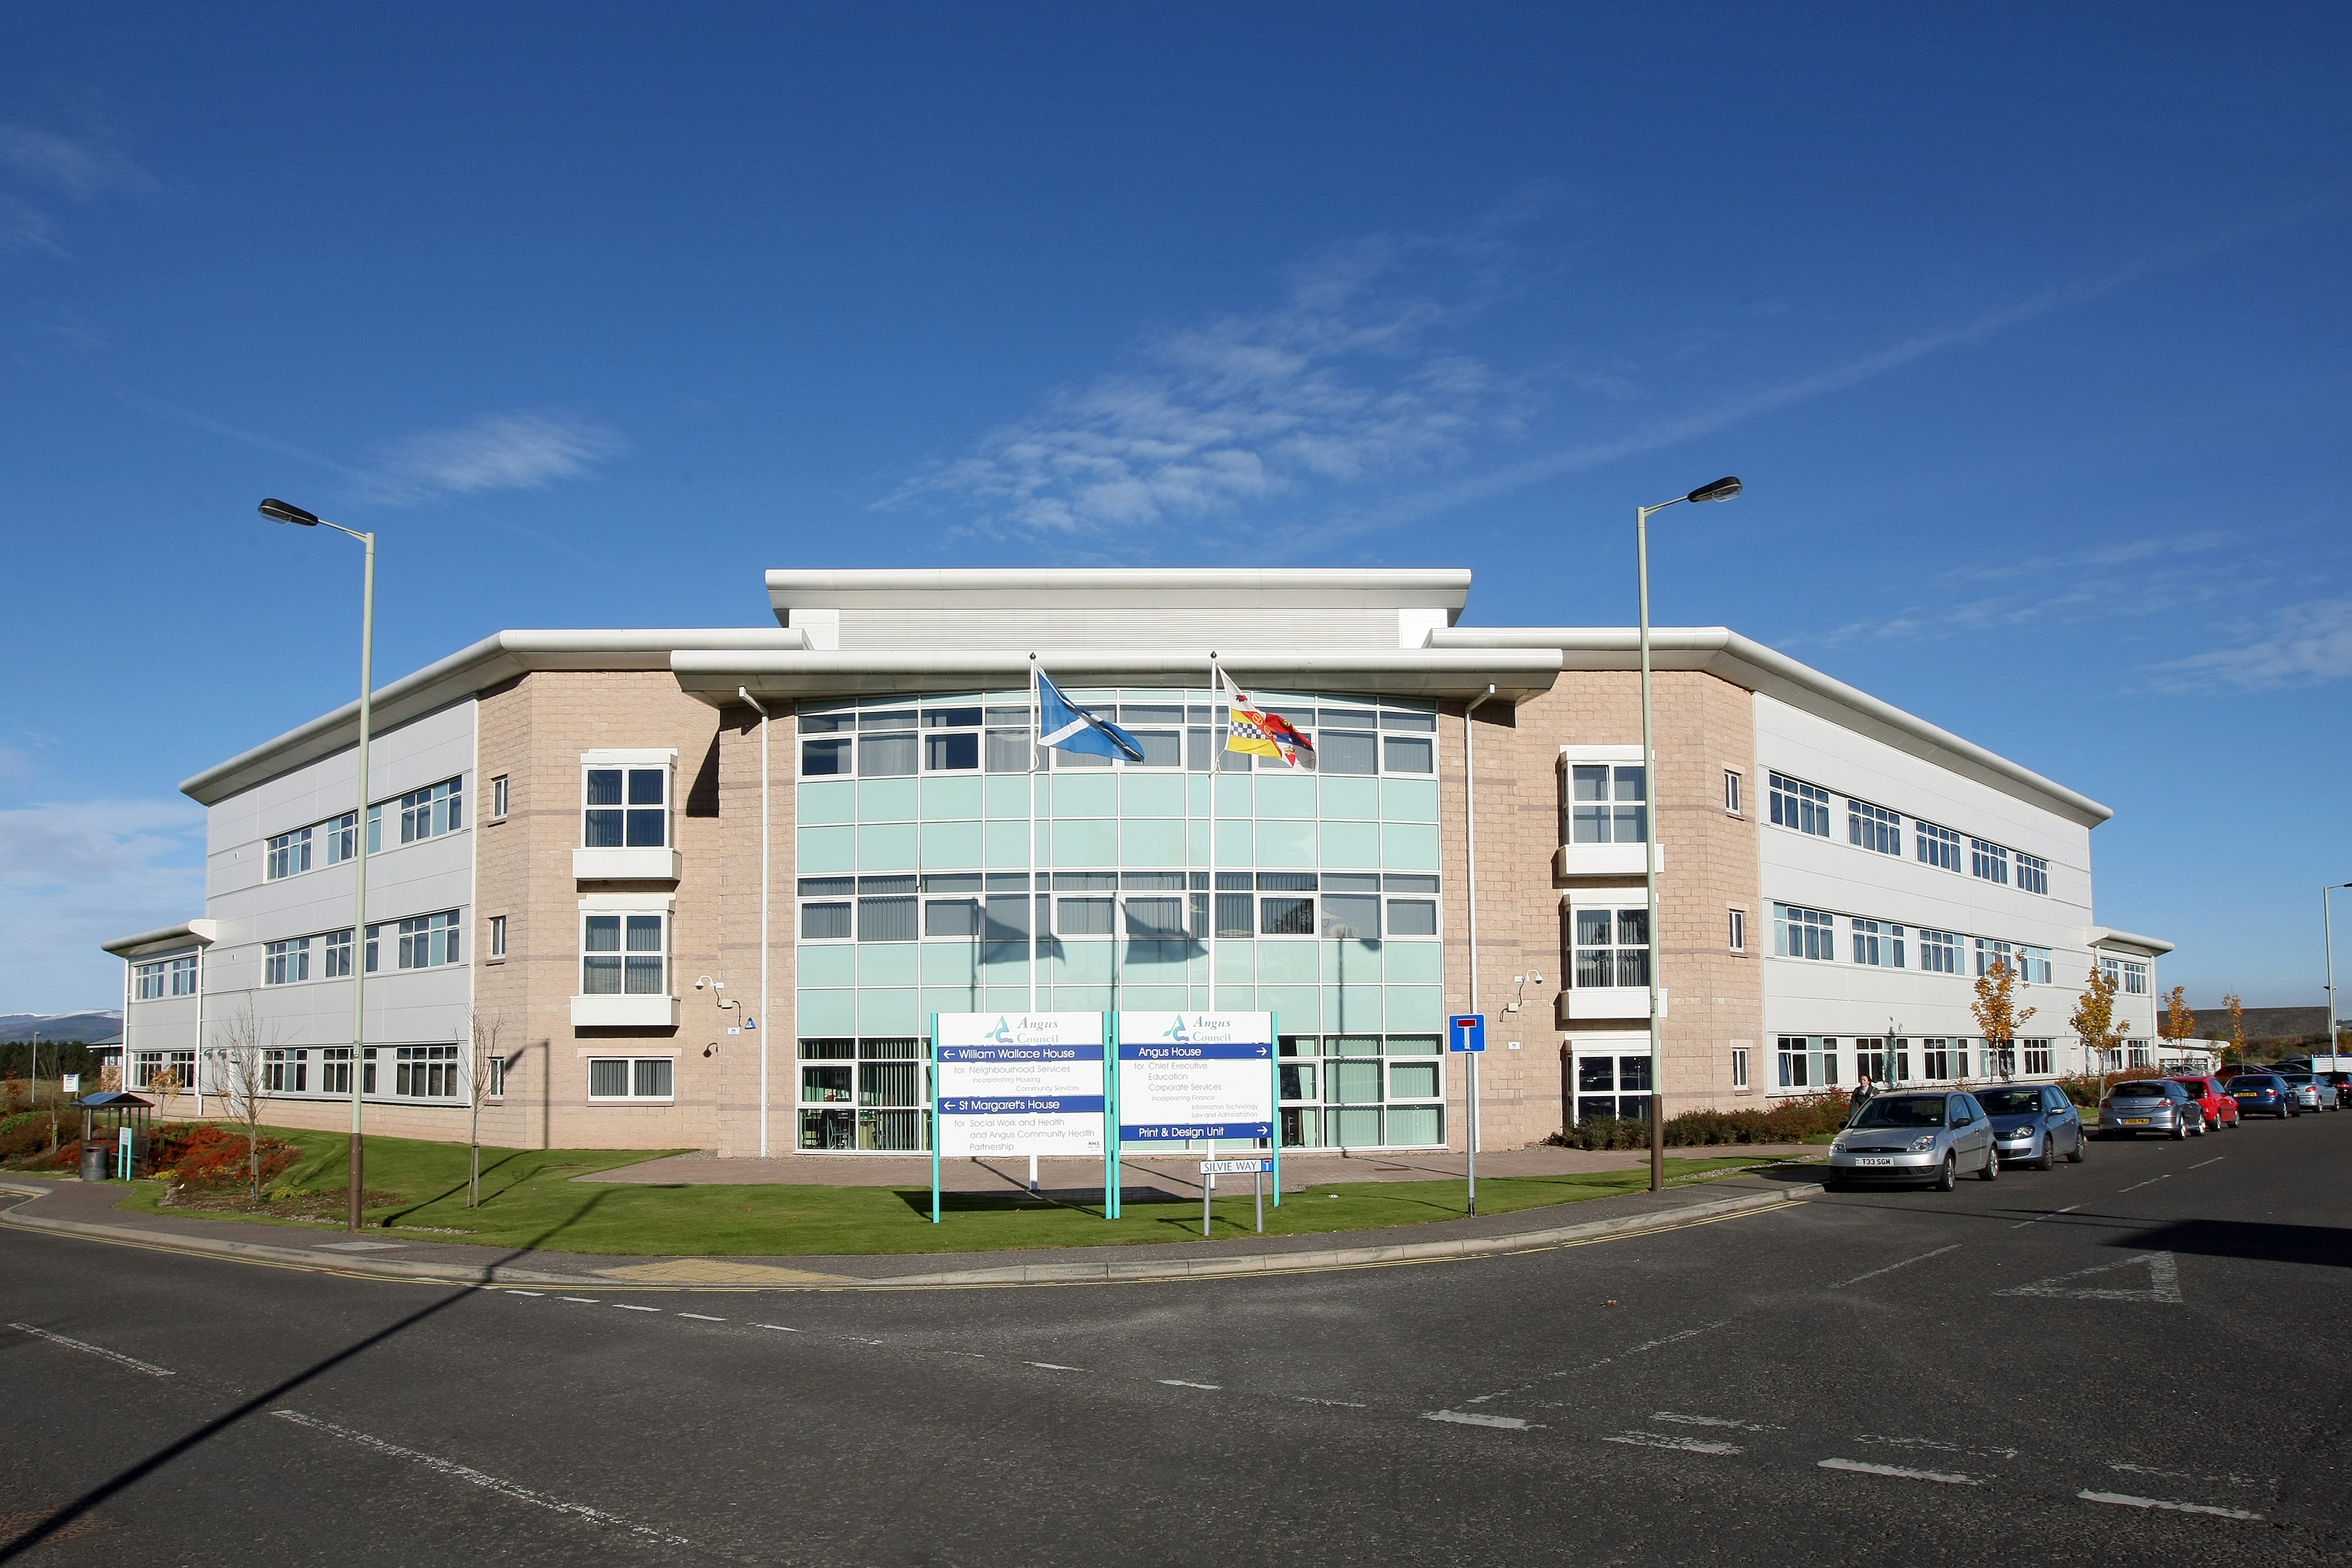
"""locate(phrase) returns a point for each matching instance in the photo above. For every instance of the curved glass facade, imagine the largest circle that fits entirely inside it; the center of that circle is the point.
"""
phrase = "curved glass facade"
(935, 868)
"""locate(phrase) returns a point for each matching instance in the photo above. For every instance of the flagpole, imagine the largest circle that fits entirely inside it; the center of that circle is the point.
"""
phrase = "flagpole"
(1213, 760)
(1036, 731)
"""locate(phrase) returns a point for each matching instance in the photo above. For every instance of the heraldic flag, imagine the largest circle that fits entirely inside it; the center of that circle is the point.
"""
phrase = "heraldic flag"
(1259, 732)
(1063, 723)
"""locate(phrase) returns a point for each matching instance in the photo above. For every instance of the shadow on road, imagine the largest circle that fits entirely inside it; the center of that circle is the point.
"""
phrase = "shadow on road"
(2324, 1246)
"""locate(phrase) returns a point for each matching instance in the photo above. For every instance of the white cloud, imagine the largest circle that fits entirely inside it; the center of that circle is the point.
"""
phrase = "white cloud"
(494, 452)
(26, 227)
(75, 875)
(77, 167)
(2307, 644)
(1333, 387)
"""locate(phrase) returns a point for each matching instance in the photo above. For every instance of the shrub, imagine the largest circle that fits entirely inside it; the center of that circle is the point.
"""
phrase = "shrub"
(1788, 1122)
(209, 1156)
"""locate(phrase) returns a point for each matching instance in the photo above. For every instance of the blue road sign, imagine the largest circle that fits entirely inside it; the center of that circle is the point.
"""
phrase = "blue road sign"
(1466, 1032)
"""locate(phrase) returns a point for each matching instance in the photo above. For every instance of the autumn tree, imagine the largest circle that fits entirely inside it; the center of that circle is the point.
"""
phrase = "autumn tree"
(2237, 1026)
(2180, 1024)
(1996, 1011)
(2093, 1020)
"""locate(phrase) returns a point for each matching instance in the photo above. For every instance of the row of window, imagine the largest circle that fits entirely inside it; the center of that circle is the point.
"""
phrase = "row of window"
(897, 742)
(1800, 932)
(1141, 905)
(1818, 1061)
(424, 941)
(1810, 809)
(418, 1072)
(2130, 974)
(427, 813)
(164, 977)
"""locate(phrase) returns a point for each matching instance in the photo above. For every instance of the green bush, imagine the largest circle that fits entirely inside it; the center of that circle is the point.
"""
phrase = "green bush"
(1788, 1122)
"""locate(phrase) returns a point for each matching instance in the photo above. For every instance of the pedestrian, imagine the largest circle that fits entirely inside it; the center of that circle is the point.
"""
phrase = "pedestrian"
(1864, 1093)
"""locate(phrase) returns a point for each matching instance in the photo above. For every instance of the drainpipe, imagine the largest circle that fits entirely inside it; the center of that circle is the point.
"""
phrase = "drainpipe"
(766, 839)
(1470, 847)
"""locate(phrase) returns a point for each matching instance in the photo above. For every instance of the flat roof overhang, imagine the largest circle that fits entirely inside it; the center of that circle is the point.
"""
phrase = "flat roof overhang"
(715, 675)
(1016, 588)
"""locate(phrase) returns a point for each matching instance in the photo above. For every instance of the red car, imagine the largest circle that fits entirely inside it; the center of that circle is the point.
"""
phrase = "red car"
(2221, 1108)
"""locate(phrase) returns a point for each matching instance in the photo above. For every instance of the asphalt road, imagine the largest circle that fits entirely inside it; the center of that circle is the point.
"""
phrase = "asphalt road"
(2136, 1360)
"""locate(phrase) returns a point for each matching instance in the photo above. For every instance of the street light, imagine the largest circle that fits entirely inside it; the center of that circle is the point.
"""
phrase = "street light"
(1722, 489)
(2327, 929)
(280, 511)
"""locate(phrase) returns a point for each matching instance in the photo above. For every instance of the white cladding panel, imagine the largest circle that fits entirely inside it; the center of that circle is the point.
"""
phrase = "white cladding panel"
(1115, 626)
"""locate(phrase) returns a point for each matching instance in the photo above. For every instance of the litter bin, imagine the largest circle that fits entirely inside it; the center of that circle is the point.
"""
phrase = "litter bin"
(95, 1158)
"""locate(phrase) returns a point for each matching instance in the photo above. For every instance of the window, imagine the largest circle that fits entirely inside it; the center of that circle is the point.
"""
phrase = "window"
(2034, 965)
(425, 1072)
(631, 1077)
(1005, 746)
(1941, 1060)
(429, 942)
(886, 744)
(183, 975)
(1612, 947)
(885, 908)
(825, 908)
(1874, 827)
(624, 955)
(337, 946)
(1878, 943)
(1938, 847)
(2135, 979)
(863, 1094)
(1738, 933)
(2135, 1053)
(286, 1072)
(174, 976)
(424, 814)
(1739, 1057)
(495, 1068)
(1802, 806)
(1409, 754)
(2037, 1059)
(1939, 952)
(342, 839)
(1608, 803)
(625, 808)
(957, 915)
(149, 977)
(826, 744)
(1347, 751)
(951, 739)
(1597, 1079)
(286, 962)
(1808, 1061)
(1990, 952)
(1286, 905)
(497, 936)
(290, 854)
(1351, 905)
(2032, 874)
(1803, 933)
(1411, 916)
(1988, 861)
(335, 1067)
(499, 798)
(1731, 782)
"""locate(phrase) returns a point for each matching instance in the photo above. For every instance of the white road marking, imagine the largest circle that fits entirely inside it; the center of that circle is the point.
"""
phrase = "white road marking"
(2214, 1161)
(2149, 1183)
(1893, 1267)
(702, 1317)
(1856, 1467)
(492, 1483)
(1713, 1421)
(1684, 1445)
(2037, 1219)
(1334, 1404)
(1935, 1444)
(2163, 1280)
(362, 1245)
(2125, 1499)
(134, 1363)
(510, 1291)
(778, 1327)
(1605, 1361)
(2191, 1475)
(1471, 1418)
(626, 1308)
(1180, 1382)
(1042, 1365)
(587, 1300)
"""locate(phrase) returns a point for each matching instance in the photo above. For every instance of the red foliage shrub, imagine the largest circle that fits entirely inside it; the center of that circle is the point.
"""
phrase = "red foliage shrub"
(209, 1156)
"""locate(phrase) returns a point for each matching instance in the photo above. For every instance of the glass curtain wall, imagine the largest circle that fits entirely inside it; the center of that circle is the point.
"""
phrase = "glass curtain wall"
(921, 887)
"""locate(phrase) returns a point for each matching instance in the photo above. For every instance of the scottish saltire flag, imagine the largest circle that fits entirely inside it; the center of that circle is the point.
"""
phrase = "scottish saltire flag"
(1252, 729)
(1063, 723)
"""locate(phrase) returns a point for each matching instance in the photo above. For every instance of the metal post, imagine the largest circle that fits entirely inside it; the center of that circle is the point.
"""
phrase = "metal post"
(1650, 859)
(933, 1064)
(1473, 1134)
(1114, 1173)
(358, 895)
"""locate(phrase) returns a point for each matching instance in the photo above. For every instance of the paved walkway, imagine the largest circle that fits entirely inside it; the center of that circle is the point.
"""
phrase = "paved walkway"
(1178, 1174)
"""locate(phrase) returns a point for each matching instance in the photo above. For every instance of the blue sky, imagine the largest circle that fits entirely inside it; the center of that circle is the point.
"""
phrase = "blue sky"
(2027, 329)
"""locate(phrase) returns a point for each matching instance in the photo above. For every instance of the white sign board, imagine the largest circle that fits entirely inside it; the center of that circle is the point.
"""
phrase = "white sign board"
(69, 1083)
(1185, 1076)
(1012, 1084)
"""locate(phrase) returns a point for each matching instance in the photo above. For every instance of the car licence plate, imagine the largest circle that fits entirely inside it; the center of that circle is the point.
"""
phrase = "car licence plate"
(1873, 1160)
(2135, 1120)
(2247, 1094)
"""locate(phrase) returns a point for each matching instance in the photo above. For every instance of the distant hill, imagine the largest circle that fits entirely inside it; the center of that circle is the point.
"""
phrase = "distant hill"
(92, 1025)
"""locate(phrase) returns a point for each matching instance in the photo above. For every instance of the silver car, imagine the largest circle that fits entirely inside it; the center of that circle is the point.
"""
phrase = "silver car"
(2303, 1092)
(1929, 1138)
(2033, 1124)
(2155, 1105)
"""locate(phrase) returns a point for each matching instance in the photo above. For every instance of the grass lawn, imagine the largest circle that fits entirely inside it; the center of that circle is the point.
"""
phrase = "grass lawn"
(530, 1201)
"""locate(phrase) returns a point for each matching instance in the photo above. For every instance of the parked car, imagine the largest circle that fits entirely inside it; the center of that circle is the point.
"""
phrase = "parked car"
(2033, 1125)
(2261, 1094)
(2303, 1090)
(2155, 1105)
(2219, 1106)
(1929, 1138)
(2341, 1082)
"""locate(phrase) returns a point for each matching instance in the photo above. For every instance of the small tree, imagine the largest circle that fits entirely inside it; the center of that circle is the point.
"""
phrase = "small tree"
(2237, 1027)
(2093, 1021)
(1996, 1011)
(237, 1046)
(2178, 1022)
(486, 1065)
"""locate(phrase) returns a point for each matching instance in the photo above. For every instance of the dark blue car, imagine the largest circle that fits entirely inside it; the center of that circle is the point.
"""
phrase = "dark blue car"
(2261, 1094)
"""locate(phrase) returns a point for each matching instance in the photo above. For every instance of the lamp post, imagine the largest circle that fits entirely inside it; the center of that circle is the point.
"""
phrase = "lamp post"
(1722, 489)
(2327, 929)
(280, 511)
